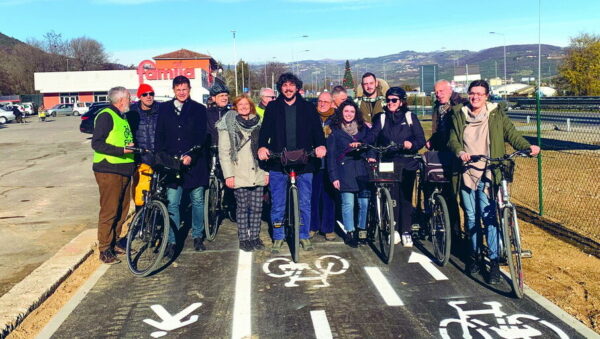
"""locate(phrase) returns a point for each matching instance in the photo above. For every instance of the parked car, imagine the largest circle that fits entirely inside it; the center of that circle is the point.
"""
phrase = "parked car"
(27, 108)
(6, 116)
(81, 108)
(87, 120)
(60, 109)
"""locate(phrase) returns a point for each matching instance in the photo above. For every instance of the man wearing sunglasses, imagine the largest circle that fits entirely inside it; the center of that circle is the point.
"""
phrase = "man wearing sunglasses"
(142, 117)
(266, 96)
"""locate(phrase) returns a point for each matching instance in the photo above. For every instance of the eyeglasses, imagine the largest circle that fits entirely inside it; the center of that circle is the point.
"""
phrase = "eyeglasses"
(394, 100)
(272, 97)
(471, 94)
(148, 94)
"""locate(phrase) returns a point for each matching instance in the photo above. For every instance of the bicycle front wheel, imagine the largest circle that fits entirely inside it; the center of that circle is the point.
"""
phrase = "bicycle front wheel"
(212, 209)
(147, 238)
(512, 243)
(293, 222)
(385, 224)
(439, 223)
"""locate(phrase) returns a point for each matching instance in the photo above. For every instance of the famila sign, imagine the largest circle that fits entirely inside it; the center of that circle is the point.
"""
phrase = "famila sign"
(147, 71)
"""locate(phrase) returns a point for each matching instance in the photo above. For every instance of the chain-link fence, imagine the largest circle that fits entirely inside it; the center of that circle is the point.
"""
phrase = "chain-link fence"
(570, 142)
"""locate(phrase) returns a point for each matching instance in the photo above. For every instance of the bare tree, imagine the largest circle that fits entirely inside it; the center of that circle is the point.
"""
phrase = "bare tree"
(87, 54)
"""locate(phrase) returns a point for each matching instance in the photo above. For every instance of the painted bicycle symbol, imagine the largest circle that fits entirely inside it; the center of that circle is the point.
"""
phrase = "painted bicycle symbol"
(515, 326)
(324, 267)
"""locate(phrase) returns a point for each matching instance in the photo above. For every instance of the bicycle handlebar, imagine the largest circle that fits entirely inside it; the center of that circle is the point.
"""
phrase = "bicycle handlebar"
(278, 155)
(143, 150)
(524, 153)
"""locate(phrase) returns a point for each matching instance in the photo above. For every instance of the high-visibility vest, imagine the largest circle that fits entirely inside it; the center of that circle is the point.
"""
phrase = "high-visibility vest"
(119, 136)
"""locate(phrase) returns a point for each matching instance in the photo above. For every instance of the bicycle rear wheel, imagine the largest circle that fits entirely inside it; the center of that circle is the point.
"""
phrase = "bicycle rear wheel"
(439, 223)
(293, 222)
(385, 225)
(147, 238)
(212, 208)
(512, 243)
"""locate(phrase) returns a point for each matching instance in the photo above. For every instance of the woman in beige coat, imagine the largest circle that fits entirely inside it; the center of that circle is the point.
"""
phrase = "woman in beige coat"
(238, 145)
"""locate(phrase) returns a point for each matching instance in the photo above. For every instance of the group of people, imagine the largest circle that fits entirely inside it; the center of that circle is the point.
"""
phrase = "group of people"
(331, 184)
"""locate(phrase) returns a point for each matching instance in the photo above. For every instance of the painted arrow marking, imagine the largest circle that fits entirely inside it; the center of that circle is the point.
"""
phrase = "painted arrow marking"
(171, 322)
(427, 265)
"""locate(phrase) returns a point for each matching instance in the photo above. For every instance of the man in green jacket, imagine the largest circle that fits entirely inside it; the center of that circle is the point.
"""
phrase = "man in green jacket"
(113, 168)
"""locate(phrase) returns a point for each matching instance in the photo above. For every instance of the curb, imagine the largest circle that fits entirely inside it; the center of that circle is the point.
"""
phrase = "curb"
(28, 294)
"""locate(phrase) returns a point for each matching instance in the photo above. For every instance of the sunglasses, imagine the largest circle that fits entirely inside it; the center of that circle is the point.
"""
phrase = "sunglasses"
(394, 100)
(269, 96)
(148, 94)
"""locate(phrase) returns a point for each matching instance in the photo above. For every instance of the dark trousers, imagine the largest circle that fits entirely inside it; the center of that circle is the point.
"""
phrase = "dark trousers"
(115, 196)
(322, 203)
(402, 195)
(249, 202)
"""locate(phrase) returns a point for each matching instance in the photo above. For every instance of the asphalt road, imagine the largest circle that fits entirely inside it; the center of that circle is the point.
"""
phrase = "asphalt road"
(48, 194)
(335, 292)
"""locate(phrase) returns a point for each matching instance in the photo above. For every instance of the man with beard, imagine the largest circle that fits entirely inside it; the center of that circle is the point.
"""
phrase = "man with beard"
(181, 126)
(372, 101)
(290, 123)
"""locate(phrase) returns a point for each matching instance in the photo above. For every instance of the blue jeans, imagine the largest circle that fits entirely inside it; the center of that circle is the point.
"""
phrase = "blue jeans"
(477, 204)
(278, 181)
(197, 199)
(348, 209)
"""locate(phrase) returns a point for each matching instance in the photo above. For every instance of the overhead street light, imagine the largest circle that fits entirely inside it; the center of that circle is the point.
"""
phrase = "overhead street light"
(235, 61)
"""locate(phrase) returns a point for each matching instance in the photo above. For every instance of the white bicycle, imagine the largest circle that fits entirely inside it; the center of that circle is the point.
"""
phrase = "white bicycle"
(324, 267)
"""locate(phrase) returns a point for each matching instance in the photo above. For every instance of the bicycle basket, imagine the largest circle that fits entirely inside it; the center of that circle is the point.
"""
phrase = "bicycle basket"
(508, 170)
(385, 172)
(296, 157)
(433, 166)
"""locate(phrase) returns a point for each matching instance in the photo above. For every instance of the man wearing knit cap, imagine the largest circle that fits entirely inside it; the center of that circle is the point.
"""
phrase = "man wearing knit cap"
(219, 94)
(142, 117)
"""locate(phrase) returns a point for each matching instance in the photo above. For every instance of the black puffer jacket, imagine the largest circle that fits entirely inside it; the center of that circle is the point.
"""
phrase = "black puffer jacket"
(143, 127)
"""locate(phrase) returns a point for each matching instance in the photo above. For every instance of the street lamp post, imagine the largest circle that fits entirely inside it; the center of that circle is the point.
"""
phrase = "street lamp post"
(504, 42)
(235, 60)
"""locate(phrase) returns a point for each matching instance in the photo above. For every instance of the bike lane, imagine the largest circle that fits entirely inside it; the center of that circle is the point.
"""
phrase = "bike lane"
(334, 291)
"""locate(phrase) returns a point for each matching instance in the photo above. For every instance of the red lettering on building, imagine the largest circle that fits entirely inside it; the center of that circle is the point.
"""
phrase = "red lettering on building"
(152, 73)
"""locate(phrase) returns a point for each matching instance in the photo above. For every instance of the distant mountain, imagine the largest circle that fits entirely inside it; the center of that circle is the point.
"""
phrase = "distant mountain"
(403, 67)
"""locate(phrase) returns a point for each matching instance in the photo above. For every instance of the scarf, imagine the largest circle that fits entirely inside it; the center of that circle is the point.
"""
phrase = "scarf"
(236, 126)
(351, 128)
(327, 114)
(476, 140)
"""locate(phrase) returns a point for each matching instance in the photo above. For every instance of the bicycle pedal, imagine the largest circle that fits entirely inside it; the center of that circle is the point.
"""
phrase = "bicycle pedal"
(526, 254)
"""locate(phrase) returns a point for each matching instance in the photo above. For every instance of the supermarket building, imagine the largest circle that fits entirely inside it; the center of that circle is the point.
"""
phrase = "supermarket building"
(93, 86)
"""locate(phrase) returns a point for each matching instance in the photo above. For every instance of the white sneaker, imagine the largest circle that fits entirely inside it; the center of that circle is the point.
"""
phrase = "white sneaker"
(396, 238)
(407, 240)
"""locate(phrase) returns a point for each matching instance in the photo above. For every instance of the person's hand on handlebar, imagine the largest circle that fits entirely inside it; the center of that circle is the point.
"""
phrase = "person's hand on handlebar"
(407, 144)
(230, 182)
(428, 145)
(186, 160)
(128, 151)
(534, 150)
(320, 151)
(263, 153)
(464, 156)
(355, 144)
(371, 160)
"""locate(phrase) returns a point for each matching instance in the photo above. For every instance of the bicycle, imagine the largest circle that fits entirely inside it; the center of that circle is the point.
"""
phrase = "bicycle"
(291, 220)
(433, 210)
(213, 198)
(509, 241)
(148, 232)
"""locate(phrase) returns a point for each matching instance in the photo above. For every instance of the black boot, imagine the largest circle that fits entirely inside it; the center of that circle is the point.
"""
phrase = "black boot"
(494, 277)
(473, 267)
(350, 240)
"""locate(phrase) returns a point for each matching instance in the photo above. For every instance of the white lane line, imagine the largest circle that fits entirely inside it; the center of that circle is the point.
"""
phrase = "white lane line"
(242, 311)
(426, 263)
(386, 291)
(66, 310)
(321, 324)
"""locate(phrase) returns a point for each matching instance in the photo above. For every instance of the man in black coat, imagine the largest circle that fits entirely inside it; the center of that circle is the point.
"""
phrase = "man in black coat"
(290, 123)
(181, 126)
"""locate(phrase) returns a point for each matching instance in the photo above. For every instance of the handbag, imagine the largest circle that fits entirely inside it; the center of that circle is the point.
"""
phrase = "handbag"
(295, 157)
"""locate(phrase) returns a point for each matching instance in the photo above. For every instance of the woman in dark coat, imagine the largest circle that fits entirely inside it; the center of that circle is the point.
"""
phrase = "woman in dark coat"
(398, 125)
(348, 168)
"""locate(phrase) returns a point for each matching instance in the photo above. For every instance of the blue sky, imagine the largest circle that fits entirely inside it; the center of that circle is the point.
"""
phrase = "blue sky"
(133, 30)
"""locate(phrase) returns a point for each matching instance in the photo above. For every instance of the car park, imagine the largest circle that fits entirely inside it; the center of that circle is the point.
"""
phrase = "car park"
(60, 109)
(6, 116)
(80, 108)
(87, 120)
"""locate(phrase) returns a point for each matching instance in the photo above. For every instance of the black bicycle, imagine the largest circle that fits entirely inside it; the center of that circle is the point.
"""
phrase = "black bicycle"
(148, 233)
(213, 198)
(509, 239)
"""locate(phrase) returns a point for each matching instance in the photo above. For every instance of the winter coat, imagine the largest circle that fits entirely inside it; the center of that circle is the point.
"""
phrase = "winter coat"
(143, 127)
(501, 130)
(309, 132)
(214, 114)
(345, 164)
(439, 138)
(245, 173)
(398, 130)
(176, 134)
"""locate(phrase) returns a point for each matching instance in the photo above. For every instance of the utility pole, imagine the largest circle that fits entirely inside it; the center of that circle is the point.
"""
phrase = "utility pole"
(235, 69)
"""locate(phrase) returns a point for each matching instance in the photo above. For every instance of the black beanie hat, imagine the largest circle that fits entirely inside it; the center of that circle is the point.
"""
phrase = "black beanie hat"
(218, 88)
(396, 91)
